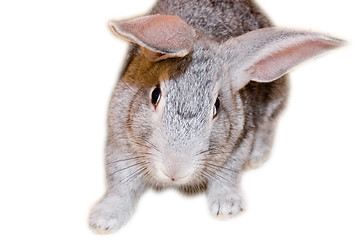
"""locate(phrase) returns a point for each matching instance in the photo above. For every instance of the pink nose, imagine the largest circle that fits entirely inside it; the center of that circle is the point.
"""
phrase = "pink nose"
(173, 176)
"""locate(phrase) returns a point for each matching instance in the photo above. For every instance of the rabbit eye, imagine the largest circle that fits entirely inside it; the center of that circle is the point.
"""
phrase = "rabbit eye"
(155, 96)
(216, 107)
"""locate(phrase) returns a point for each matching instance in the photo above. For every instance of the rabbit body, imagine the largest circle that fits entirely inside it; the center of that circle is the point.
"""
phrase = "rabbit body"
(180, 118)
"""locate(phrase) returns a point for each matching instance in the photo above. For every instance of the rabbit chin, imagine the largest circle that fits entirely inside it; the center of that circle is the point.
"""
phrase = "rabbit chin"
(188, 185)
(186, 178)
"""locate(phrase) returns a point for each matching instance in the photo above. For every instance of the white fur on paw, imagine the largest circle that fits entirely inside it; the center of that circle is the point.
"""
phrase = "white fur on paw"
(103, 222)
(106, 218)
(226, 206)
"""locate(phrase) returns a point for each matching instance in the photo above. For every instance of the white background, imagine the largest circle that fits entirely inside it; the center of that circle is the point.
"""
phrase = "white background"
(58, 65)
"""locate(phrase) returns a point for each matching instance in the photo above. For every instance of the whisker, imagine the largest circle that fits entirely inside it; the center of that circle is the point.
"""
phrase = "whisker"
(152, 145)
(149, 146)
(201, 178)
(141, 144)
(212, 151)
(131, 175)
(150, 154)
(135, 174)
(217, 176)
(147, 173)
(124, 168)
(125, 159)
(204, 151)
(219, 168)
(205, 176)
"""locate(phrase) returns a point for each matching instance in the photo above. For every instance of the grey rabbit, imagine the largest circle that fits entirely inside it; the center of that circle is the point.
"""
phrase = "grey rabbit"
(197, 102)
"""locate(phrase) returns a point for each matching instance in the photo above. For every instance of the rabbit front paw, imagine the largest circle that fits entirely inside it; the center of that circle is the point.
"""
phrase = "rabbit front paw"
(226, 206)
(108, 216)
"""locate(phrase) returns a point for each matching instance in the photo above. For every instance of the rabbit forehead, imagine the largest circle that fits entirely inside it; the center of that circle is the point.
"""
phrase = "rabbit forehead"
(191, 92)
(189, 99)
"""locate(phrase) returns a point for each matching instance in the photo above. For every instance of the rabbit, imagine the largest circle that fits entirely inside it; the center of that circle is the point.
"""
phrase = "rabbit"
(197, 102)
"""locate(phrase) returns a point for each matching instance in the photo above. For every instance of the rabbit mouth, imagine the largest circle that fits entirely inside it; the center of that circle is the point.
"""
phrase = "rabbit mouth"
(174, 177)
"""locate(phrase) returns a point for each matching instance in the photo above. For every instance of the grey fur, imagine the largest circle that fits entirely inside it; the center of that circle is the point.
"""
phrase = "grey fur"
(183, 146)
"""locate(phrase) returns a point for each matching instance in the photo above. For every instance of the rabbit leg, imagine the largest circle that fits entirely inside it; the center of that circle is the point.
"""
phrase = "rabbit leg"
(224, 194)
(225, 200)
(115, 208)
(124, 189)
(264, 138)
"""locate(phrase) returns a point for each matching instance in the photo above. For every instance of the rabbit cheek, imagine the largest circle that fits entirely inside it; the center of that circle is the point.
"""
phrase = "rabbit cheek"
(138, 128)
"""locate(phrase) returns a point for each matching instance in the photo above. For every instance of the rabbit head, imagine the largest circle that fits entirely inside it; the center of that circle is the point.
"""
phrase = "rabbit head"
(184, 113)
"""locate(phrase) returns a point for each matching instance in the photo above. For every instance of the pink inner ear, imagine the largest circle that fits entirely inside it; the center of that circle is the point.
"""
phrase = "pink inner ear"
(280, 62)
(166, 34)
(170, 33)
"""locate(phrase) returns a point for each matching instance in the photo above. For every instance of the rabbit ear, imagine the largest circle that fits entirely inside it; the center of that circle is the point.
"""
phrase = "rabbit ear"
(159, 36)
(266, 54)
